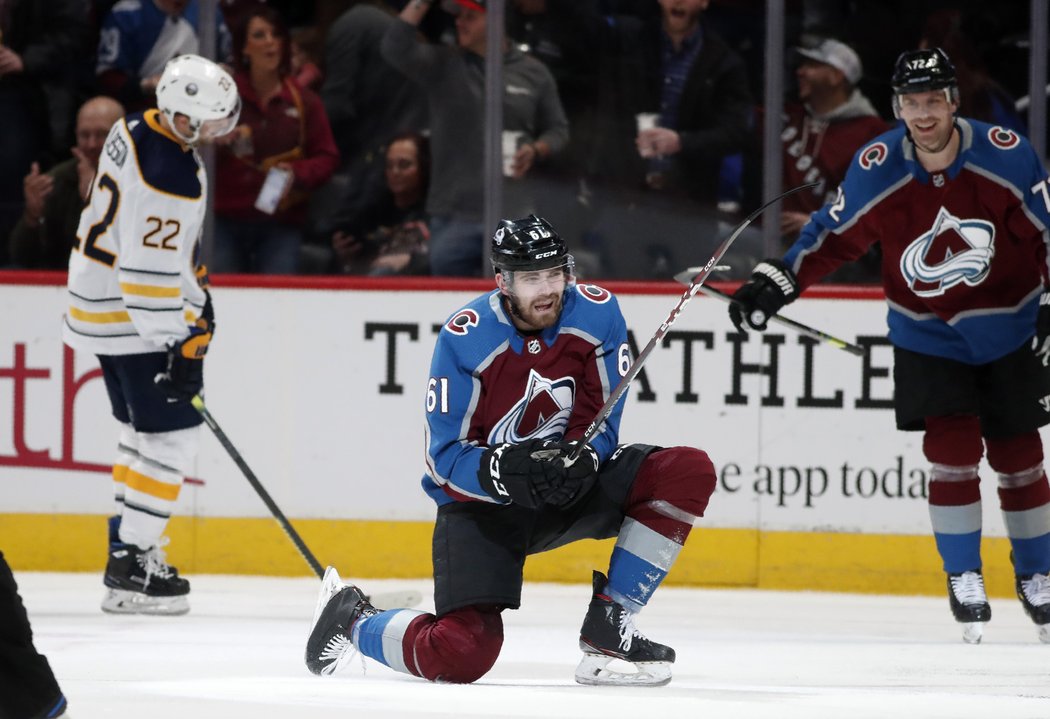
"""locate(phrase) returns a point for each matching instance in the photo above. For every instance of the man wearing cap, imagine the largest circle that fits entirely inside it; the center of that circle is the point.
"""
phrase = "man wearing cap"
(821, 132)
(453, 80)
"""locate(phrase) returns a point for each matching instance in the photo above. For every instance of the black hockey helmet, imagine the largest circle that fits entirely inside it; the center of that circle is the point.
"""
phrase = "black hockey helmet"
(922, 70)
(529, 243)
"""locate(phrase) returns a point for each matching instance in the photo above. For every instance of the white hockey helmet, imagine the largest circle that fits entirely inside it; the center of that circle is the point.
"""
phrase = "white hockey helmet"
(202, 91)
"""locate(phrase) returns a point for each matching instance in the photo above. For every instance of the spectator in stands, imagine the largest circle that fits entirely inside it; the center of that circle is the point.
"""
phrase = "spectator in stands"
(47, 229)
(368, 101)
(39, 42)
(564, 35)
(138, 38)
(306, 58)
(454, 82)
(392, 238)
(673, 66)
(831, 121)
(283, 135)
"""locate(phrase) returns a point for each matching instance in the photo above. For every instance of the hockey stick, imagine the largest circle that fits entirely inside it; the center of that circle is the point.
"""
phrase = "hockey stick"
(694, 286)
(816, 334)
(198, 404)
(387, 600)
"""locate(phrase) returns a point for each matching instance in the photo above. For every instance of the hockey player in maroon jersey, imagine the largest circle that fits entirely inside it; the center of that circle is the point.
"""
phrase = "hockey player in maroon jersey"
(961, 209)
(517, 375)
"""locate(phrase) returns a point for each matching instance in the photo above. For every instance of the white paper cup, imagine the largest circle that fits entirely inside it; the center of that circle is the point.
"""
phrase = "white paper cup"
(511, 138)
(646, 120)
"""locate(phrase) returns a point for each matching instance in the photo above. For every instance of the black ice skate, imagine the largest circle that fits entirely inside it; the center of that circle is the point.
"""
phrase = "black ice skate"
(339, 606)
(1034, 592)
(609, 634)
(139, 581)
(969, 603)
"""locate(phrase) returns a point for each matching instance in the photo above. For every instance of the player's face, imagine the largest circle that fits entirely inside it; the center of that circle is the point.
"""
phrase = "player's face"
(262, 45)
(536, 296)
(402, 167)
(928, 116)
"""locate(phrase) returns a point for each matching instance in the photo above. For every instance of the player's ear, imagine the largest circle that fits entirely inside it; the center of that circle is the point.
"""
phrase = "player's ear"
(501, 282)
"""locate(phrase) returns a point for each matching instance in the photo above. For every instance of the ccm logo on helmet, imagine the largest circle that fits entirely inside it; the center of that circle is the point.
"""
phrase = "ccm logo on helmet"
(541, 255)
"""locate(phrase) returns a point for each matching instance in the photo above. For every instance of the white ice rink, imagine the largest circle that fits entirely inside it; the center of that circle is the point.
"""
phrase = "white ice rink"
(741, 654)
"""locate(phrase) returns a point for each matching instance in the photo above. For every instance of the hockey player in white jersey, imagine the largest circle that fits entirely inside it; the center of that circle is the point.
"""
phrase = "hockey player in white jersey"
(136, 302)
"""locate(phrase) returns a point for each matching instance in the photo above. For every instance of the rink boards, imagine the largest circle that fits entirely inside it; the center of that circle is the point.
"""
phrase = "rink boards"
(321, 385)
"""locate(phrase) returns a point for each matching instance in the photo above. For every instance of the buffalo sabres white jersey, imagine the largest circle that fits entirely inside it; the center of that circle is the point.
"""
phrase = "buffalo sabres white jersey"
(132, 285)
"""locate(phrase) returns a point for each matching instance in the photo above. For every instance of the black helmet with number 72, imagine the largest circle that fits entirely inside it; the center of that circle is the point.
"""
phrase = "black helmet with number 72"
(529, 243)
(924, 70)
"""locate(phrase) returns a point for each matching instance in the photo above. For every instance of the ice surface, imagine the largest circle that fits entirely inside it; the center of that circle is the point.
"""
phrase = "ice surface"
(741, 654)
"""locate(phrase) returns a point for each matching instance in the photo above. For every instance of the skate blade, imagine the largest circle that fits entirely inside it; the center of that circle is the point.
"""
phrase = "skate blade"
(1044, 633)
(972, 632)
(595, 670)
(124, 601)
(405, 599)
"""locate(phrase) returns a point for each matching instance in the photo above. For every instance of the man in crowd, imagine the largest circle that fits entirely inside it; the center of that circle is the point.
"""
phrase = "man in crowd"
(47, 229)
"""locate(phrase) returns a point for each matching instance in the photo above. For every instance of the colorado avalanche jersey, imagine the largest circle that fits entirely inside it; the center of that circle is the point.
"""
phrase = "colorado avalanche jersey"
(132, 285)
(964, 250)
(491, 384)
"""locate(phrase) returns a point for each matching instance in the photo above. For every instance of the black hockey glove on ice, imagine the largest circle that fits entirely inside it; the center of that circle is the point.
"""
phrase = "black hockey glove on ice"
(184, 375)
(1041, 341)
(524, 474)
(772, 285)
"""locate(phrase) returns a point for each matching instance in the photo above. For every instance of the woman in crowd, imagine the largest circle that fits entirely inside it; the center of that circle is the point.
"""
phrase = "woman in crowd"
(280, 152)
(392, 238)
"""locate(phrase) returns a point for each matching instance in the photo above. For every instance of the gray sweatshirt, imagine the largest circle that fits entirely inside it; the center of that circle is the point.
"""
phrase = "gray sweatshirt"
(454, 82)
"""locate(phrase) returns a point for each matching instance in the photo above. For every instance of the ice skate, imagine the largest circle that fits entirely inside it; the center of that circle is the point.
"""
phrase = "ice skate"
(139, 581)
(339, 605)
(969, 603)
(1034, 592)
(610, 641)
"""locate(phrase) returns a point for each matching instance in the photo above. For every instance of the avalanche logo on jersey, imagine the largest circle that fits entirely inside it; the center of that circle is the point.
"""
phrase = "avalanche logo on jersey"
(953, 251)
(542, 412)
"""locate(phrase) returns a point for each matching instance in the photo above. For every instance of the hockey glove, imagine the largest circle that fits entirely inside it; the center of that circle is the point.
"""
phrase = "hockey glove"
(578, 477)
(772, 285)
(184, 374)
(521, 473)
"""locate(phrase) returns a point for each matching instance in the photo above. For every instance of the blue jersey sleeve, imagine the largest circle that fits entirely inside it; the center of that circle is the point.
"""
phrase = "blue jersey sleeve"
(453, 389)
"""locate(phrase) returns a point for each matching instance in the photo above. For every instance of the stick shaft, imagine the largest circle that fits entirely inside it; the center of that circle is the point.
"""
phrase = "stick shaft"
(689, 293)
(198, 404)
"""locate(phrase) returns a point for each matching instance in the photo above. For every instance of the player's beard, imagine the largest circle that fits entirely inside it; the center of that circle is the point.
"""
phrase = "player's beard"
(533, 318)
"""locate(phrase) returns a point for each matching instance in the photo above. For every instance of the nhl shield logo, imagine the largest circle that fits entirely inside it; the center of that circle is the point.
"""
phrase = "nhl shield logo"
(534, 347)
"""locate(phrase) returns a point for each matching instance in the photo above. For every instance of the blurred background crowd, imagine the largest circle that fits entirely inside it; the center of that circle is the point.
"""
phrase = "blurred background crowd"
(634, 126)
